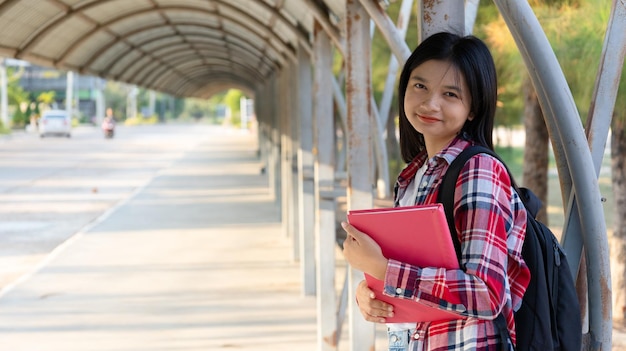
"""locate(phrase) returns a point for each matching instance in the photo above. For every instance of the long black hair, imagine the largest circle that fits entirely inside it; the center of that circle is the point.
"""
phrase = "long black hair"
(471, 57)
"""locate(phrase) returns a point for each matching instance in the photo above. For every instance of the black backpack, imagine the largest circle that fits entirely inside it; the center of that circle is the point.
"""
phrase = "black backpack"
(549, 318)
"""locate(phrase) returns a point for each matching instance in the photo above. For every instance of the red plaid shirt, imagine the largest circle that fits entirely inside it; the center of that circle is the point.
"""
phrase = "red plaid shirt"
(490, 221)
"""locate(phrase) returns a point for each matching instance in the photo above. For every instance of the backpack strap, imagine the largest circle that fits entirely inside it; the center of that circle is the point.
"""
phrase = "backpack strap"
(446, 197)
(448, 184)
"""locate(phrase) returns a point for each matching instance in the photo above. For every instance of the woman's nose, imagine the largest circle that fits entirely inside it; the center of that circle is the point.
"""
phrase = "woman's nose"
(430, 103)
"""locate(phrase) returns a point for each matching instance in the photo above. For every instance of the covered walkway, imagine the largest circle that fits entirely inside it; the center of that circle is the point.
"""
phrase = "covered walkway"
(282, 52)
(194, 265)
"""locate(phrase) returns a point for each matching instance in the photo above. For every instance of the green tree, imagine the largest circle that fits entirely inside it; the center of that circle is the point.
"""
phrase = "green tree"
(232, 100)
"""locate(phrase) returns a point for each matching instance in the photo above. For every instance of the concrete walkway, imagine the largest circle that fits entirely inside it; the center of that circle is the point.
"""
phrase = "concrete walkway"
(196, 260)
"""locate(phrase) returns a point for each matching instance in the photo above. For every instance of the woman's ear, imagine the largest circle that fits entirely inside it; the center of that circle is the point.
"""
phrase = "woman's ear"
(470, 117)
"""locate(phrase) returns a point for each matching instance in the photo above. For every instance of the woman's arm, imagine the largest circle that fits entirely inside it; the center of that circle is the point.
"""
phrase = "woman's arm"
(484, 219)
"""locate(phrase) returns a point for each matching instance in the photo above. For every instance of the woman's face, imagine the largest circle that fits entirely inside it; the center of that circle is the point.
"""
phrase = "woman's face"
(437, 103)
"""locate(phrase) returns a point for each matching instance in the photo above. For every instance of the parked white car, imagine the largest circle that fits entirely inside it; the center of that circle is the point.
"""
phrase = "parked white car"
(55, 122)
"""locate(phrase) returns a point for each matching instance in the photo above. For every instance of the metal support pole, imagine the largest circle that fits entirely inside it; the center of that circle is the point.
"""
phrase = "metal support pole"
(151, 103)
(294, 175)
(437, 16)
(322, 19)
(358, 88)
(392, 72)
(284, 126)
(342, 121)
(69, 94)
(471, 11)
(600, 115)
(564, 123)
(387, 29)
(100, 102)
(273, 138)
(4, 100)
(306, 187)
(325, 230)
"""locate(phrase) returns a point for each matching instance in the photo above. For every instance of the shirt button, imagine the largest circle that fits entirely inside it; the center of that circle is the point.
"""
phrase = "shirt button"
(424, 183)
(399, 291)
(416, 336)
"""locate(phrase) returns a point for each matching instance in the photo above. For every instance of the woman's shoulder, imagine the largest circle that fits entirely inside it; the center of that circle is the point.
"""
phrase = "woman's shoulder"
(485, 168)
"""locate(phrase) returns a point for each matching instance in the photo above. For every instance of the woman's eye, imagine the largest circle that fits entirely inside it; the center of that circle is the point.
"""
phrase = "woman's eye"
(450, 94)
(420, 86)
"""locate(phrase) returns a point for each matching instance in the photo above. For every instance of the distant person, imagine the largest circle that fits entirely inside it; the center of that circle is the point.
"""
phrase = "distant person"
(447, 102)
(108, 124)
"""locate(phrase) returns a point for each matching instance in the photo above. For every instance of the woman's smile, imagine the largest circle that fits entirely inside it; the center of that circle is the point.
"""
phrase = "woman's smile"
(428, 119)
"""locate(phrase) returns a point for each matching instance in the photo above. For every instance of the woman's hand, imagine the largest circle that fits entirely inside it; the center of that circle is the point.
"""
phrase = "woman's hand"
(363, 253)
(373, 310)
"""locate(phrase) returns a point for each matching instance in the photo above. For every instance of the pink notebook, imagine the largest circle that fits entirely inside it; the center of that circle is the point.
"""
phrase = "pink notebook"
(418, 235)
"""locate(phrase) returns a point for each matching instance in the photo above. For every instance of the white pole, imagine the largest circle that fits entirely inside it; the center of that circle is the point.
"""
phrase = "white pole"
(4, 99)
(69, 94)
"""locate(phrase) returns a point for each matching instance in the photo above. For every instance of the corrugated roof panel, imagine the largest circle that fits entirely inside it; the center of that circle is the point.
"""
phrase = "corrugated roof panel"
(71, 3)
(19, 22)
(118, 70)
(247, 8)
(162, 42)
(90, 49)
(188, 16)
(124, 39)
(109, 57)
(209, 5)
(148, 35)
(199, 30)
(132, 23)
(106, 11)
(57, 40)
(285, 33)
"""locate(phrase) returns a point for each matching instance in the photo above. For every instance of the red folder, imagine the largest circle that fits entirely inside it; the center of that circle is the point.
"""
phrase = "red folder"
(417, 235)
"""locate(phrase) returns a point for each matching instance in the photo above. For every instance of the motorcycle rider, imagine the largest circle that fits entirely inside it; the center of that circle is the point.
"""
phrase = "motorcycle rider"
(108, 124)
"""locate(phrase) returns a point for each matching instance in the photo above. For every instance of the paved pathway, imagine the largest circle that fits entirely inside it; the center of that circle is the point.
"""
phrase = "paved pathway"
(194, 261)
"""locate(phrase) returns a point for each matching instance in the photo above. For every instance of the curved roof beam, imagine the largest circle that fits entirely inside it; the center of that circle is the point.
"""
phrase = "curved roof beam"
(239, 53)
(145, 68)
(185, 88)
(123, 38)
(183, 63)
(161, 73)
(41, 33)
(188, 67)
(118, 59)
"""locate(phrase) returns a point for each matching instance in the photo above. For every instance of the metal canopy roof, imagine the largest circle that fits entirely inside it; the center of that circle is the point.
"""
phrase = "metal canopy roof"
(190, 48)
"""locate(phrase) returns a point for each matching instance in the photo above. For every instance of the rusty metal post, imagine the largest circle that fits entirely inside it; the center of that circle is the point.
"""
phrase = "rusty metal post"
(436, 16)
(294, 196)
(273, 141)
(306, 187)
(4, 100)
(600, 115)
(390, 82)
(285, 145)
(387, 29)
(568, 136)
(360, 182)
(325, 227)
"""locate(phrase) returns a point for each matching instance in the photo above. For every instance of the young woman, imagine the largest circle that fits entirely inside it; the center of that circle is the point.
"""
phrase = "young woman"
(447, 96)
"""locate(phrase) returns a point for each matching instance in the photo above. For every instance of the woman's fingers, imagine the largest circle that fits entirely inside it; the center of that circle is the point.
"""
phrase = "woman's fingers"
(372, 309)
